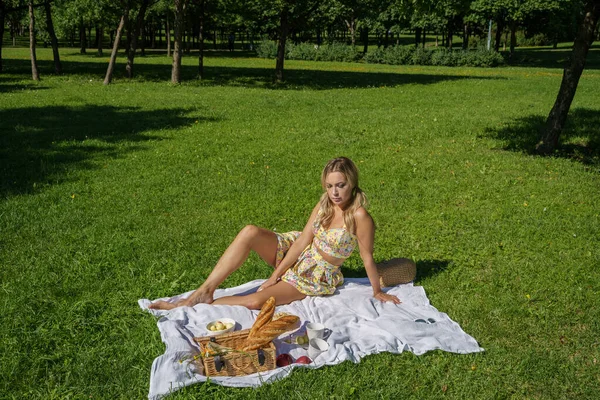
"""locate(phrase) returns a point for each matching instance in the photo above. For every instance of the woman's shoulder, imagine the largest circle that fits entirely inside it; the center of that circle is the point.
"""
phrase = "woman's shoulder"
(361, 212)
(362, 215)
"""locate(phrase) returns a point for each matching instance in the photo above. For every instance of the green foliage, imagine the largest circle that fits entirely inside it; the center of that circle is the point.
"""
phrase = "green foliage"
(310, 52)
(398, 55)
(303, 51)
(393, 55)
(420, 56)
(337, 52)
(406, 55)
(266, 49)
(539, 39)
(375, 56)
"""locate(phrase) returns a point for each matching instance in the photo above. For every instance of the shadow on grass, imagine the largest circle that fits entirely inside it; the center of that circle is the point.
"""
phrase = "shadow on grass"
(579, 141)
(429, 268)
(425, 269)
(320, 79)
(38, 145)
(249, 77)
(547, 57)
(14, 84)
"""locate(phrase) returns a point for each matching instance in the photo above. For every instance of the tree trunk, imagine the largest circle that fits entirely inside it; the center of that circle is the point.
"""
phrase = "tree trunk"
(513, 38)
(465, 43)
(1, 30)
(35, 74)
(53, 40)
(159, 36)
(424, 37)
(499, 29)
(128, 28)
(572, 72)
(168, 36)
(450, 34)
(351, 24)
(178, 25)
(201, 42)
(283, 32)
(143, 40)
(418, 32)
(133, 42)
(82, 41)
(115, 49)
(100, 34)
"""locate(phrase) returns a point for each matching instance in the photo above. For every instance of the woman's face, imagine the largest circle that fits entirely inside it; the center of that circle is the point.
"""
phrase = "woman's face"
(338, 188)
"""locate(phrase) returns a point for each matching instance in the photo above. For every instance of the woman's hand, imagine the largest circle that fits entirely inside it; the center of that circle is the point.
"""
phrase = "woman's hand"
(269, 282)
(384, 297)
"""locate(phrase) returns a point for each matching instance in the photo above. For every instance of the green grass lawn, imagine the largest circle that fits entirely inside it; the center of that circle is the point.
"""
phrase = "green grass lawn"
(111, 194)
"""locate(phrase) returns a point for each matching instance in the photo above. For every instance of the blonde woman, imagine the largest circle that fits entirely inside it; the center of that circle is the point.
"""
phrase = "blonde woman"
(305, 263)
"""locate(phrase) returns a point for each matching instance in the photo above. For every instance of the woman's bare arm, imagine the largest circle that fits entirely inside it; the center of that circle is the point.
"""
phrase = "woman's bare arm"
(365, 231)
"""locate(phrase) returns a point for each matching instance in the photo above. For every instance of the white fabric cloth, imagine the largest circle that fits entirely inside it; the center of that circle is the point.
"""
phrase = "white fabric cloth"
(360, 325)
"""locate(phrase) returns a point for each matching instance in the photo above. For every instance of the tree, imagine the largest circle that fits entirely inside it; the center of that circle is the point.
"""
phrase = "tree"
(115, 49)
(283, 32)
(201, 40)
(572, 72)
(134, 37)
(34, 68)
(53, 39)
(291, 14)
(351, 12)
(2, 13)
(177, 48)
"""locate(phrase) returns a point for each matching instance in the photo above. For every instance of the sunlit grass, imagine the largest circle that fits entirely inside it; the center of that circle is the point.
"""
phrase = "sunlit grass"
(110, 194)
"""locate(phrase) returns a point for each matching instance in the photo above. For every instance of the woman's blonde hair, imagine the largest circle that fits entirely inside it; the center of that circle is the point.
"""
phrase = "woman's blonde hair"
(359, 199)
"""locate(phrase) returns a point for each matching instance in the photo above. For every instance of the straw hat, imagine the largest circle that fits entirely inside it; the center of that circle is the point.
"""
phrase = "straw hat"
(396, 271)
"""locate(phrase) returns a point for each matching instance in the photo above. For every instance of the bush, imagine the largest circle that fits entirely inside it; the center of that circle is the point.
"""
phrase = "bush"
(303, 51)
(267, 49)
(466, 58)
(375, 56)
(443, 57)
(337, 52)
(477, 42)
(393, 55)
(486, 58)
(539, 39)
(421, 56)
(398, 55)
(309, 51)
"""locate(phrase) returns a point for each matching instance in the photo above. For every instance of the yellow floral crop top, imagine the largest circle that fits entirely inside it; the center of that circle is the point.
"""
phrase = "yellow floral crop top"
(336, 242)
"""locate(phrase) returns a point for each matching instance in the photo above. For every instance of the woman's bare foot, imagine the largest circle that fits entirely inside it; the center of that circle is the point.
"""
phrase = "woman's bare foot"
(195, 298)
(162, 305)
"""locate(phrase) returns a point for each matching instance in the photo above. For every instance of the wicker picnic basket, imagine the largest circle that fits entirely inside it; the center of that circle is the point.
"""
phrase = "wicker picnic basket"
(396, 271)
(237, 362)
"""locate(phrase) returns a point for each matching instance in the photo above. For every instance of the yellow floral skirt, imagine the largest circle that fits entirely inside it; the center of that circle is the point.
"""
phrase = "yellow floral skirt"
(311, 274)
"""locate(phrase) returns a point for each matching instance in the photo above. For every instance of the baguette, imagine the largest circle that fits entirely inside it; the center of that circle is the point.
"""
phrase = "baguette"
(264, 316)
(270, 331)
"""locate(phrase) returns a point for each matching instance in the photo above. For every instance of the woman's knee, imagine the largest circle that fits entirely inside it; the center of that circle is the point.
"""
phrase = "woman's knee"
(249, 233)
(253, 302)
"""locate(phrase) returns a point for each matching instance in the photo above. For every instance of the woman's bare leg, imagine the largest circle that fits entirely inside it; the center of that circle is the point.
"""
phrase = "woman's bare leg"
(262, 241)
(283, 292)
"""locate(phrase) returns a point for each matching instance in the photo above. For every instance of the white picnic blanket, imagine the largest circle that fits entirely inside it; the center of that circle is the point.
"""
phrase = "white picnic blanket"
(360, 325)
